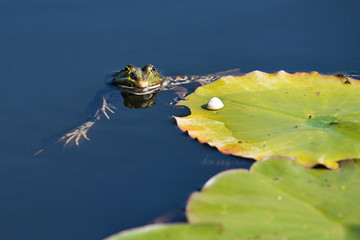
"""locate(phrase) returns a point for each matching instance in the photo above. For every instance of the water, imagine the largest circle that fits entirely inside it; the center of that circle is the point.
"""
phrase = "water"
(138, 166)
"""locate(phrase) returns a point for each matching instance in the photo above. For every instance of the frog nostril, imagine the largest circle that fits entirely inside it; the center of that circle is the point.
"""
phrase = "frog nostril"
(135, 76)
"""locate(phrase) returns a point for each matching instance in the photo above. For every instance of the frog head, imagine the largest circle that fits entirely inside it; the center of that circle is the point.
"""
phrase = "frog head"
(132, 77)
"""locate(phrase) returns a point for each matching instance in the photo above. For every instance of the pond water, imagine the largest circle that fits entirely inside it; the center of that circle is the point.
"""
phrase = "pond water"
(138, 166)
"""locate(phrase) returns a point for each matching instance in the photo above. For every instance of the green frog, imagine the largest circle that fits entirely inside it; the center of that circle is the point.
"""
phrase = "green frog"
(139, 80)
(147, 79)
(138, 87)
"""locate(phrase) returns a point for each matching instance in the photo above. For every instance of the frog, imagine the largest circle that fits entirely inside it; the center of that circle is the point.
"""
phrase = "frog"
(139, 80)
(138, 87)
(147, 79)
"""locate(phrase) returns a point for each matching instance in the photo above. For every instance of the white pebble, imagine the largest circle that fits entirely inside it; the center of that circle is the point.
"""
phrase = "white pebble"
(214, 104)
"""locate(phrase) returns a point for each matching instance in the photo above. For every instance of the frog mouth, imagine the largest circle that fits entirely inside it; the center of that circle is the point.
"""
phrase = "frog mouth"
(139, 91)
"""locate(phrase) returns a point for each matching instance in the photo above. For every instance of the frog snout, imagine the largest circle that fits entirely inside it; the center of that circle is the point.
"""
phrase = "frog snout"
(136, 77)
(143, 84)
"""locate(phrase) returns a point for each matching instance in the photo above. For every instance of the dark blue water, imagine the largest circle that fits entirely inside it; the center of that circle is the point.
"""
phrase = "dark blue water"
(54, 56)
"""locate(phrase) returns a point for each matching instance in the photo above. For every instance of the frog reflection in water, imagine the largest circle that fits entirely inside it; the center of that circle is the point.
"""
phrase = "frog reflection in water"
(138, 86)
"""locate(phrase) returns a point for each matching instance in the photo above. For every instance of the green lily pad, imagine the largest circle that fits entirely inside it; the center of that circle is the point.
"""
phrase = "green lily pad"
(172, 232)
(276, 199)
(308, 116)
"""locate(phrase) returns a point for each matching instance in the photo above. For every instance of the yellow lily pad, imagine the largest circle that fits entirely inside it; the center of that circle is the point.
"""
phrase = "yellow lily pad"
(312, 117)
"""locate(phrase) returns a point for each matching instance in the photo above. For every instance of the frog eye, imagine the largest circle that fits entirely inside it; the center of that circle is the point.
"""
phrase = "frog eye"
(126, 69)
(148, 68)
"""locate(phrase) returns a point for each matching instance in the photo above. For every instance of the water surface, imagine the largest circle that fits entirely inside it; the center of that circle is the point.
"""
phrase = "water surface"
(138, 165)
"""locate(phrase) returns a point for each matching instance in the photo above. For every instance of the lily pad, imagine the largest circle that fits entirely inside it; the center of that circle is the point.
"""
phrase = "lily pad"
(312, 117)
(173, 232)
(276, 199)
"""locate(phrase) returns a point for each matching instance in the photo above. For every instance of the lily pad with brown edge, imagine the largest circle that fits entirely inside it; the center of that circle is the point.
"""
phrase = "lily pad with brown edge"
(276, 199)
(312, 117)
